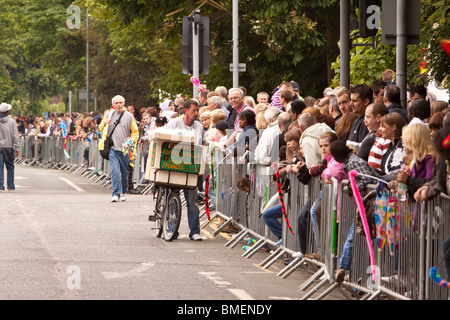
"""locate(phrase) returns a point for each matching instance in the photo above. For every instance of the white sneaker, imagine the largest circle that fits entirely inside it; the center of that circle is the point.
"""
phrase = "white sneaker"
(196, 237)
(297, 255)
(115, 199)
(122, 198)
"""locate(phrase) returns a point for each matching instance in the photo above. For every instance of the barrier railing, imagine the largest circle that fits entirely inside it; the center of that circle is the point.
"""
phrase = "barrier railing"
(402, 273)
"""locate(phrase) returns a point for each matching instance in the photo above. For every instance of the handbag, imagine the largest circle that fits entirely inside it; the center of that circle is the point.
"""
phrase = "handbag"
(108, 143)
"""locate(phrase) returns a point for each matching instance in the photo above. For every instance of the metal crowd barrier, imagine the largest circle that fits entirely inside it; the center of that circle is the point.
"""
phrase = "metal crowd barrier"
(79, 156)
(403, 274)
(423, 227)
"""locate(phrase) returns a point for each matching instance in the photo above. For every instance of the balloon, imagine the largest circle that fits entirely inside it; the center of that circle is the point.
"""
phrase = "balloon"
(196, 82)
(362, 213)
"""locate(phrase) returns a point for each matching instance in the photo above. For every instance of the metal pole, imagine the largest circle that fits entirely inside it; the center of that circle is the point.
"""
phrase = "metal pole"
(70, 102)
(401, 54)
(345, 43)
(87, 60)
(235, 43)
(195, 49)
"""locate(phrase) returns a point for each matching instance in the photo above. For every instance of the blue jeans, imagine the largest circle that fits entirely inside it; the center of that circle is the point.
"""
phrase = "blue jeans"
(119, 172)
(271, 217)
(314, 224)
(7, 160)
(193, 212)
(346, 258)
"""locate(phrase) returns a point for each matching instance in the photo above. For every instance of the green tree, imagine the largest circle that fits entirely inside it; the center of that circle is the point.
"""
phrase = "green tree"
(280, 40)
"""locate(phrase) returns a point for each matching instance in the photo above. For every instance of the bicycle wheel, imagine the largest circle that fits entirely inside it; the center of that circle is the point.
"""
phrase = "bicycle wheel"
(172, 217)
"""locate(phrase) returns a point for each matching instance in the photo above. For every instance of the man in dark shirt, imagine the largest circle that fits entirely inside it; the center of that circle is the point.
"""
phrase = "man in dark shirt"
(391, 100)
(361, 97)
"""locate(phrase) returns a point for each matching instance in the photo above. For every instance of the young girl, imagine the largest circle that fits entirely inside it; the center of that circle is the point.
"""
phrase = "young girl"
(421, 169)
(293, 151)
(324, 142)
(160, 122)
(391, 126)
(293, 154)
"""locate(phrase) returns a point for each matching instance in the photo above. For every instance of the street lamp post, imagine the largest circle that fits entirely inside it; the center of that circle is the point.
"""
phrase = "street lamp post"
(87, 60)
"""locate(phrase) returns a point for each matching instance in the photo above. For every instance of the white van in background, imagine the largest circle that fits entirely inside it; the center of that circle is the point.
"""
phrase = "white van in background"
(441, 94)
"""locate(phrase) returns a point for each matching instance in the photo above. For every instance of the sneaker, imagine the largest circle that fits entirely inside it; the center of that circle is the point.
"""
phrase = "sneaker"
(122, 198)
(11, 190)
(196, 237)
(297, 255)
(339, 275)
(115, 199)
(279, 242)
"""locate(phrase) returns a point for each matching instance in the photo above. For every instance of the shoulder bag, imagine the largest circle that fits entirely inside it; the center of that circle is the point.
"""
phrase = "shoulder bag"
(108, 144)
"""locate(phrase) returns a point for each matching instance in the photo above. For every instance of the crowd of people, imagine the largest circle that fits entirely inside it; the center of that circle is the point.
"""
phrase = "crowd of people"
(362, 127)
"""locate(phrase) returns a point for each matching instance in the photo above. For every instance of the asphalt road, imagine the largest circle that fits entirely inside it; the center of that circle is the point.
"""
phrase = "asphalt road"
(62, 239)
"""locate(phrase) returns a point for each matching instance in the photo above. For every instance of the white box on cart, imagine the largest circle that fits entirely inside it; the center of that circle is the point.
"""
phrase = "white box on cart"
(174, 160)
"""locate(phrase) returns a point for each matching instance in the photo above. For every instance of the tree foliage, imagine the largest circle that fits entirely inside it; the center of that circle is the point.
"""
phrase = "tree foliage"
(367, 63)
(136, 48)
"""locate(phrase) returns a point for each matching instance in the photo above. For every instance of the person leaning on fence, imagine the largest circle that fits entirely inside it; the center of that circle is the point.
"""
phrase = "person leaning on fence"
(342, 154)
(304, 175)
(440, 183)
(422, 167)
(311, 131)
(188, 123)
(293, 155)
(125, 128)
(9, 147)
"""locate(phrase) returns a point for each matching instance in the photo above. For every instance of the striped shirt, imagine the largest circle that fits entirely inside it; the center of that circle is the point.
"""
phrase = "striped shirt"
(377, 152)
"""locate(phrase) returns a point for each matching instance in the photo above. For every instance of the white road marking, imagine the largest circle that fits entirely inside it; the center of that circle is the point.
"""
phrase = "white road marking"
(73, 185)
(241, 294)
(22, 187)
(134, 272)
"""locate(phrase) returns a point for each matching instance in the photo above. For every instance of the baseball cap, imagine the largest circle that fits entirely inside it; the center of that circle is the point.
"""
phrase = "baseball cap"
(295, 86)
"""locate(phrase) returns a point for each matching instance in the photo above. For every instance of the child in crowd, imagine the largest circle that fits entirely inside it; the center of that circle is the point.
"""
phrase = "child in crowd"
(421, 169)
(160, 122)
(293, 155)
(221, 133)
(324, 142)
(342, 154)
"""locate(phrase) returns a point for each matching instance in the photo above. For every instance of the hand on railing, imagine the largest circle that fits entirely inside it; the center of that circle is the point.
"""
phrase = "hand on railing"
(393, 185)
(421, 194)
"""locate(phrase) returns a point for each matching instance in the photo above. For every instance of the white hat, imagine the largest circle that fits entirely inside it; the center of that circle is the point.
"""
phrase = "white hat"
(337, 90)
(5, 107)
(328, 92)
